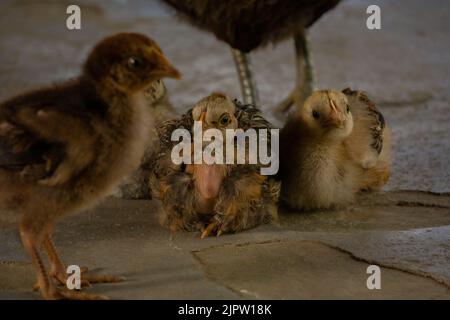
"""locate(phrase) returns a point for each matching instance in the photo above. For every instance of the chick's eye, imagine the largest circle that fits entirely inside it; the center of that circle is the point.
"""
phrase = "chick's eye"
(135, 63)
(224, 119)
(315, 114)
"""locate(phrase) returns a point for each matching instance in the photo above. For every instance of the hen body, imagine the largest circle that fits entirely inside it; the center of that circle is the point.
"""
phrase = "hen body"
(248, 24)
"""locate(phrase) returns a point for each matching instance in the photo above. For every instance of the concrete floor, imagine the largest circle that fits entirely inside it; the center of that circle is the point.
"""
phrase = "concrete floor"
(404, 67)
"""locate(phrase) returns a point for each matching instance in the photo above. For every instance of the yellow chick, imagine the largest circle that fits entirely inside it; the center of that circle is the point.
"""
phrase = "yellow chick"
(333, 147)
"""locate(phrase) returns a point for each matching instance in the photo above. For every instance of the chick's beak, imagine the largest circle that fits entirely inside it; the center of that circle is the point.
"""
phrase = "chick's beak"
(164, 69)
(334, 118)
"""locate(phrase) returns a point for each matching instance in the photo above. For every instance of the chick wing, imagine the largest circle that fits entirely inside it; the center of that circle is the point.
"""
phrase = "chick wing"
(365, 143)
(42, 141)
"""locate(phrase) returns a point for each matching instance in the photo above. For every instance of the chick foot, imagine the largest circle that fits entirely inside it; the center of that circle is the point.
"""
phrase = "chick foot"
(102, 278)
(219, 225)
(86, 280)
(65, 294)
(210, 230)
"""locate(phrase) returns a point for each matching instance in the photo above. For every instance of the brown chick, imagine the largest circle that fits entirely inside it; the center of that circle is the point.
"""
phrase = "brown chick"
(64, 148)
(214, 198)
(334, 146)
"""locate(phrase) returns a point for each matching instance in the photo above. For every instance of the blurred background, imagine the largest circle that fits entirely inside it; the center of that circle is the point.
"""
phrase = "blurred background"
(404, 67)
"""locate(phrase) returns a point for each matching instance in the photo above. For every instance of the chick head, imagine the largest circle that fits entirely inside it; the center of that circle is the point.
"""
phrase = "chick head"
(216, 111)
(327, 113)
(129, 62)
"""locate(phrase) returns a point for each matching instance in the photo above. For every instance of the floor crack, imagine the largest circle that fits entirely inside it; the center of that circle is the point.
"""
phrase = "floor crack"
(419, 273)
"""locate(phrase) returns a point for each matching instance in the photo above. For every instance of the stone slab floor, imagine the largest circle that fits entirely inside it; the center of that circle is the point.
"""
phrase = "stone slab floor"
(405, 229)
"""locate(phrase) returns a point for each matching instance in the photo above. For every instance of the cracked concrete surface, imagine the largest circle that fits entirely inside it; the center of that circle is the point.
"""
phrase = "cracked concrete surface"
(307, 270)
(316, 255)
(405, 229)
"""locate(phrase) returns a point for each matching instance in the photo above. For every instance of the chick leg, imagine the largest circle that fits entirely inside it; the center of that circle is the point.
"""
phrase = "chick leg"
(304, 77)
(245, 74)
(31, 239)
(57, 267)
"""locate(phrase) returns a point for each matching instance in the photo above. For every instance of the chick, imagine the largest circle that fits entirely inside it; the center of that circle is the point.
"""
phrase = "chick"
(136, 186)
(214, 198)
(158, 100)
(334, 146)
(64, 148)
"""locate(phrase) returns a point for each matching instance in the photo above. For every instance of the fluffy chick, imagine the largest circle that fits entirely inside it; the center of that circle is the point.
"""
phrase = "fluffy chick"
(334, 146)
(64, 148)
(214, 198)
(136, 186)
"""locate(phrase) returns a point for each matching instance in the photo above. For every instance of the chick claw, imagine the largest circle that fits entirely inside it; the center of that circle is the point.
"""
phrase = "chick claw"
(86, 280)
(217, 227)
(65, 294)
(210, 229)
(99, 278)
(102, 278)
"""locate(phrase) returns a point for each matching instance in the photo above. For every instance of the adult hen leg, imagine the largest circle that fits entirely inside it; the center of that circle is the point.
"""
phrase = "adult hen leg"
(32, 235)
(305, 81)
(245, 74)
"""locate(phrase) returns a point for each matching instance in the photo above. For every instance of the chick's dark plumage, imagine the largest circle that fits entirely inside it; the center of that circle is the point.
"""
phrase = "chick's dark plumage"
(217, 198)
(65, 147)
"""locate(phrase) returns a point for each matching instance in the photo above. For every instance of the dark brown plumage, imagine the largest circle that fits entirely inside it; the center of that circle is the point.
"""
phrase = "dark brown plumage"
(64, 148)
(217, 198)
(248, 24)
